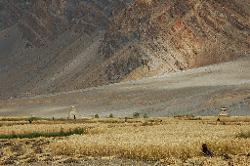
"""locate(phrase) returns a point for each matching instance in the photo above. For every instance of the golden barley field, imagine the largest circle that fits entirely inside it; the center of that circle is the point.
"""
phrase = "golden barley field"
(114, 141)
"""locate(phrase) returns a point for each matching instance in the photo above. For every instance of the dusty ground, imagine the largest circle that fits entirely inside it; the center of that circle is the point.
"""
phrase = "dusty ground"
(201, 91)
(153, 141)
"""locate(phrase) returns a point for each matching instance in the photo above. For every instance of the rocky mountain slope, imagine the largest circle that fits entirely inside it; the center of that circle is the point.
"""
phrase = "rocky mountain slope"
(53, 46)
(45, 45)
(171, 35)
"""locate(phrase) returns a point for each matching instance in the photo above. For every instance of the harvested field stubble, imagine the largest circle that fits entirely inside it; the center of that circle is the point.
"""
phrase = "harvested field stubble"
(180, 140)
(151, 140)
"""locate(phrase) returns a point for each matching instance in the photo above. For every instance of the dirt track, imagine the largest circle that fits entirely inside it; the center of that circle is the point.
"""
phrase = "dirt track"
(200, 91)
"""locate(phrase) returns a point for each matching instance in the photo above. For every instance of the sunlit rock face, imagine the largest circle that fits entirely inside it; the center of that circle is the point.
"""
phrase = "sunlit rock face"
(49, 46)
(173, 35)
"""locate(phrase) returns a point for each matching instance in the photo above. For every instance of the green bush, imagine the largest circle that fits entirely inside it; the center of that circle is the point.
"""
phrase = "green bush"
(145, 115)
(136, 115)
(96, 116)
(111, 116)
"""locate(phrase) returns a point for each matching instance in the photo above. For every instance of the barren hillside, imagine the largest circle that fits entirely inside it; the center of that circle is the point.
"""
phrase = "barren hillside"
(47, 44)
(56, 46)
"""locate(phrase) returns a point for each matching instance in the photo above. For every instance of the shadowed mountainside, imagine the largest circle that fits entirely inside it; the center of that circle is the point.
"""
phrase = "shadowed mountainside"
(45, 45)
(55, 46)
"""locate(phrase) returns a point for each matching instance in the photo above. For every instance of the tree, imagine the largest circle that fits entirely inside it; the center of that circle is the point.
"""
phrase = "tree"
(111, 115)
(136, 115)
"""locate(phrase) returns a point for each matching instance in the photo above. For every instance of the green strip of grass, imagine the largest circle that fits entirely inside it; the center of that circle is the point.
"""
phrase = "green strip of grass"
(77, 131)
(243, 135)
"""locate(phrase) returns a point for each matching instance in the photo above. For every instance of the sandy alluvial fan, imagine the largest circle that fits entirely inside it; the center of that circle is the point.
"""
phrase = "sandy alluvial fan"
(53, 46)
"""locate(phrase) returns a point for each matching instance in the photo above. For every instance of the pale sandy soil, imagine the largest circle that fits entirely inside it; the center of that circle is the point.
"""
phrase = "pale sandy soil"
(201, 91)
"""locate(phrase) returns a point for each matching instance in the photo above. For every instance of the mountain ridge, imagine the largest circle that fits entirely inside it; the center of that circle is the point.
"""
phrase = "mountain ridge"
(55, 46)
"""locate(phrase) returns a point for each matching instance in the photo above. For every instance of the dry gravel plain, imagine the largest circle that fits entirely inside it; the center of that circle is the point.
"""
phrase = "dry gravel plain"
(201, 91)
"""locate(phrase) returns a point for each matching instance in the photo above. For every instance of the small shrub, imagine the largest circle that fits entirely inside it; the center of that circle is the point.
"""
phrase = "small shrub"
(136, 115)
(145, 115)
(97, 116)
(111, 116)
(31, 119)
